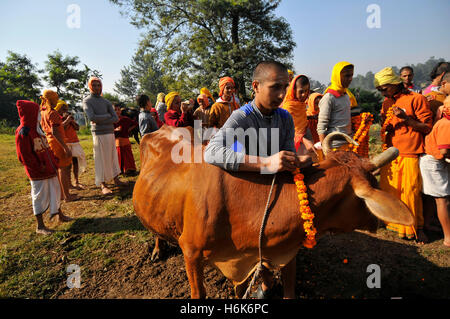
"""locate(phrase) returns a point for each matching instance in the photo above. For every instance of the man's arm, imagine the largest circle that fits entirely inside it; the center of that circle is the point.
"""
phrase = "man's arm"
(324, 117)
(96, 118)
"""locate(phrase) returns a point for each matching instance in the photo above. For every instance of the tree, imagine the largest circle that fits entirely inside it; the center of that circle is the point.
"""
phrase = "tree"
(200, 41)
(19, 79)
(70, 81)
(369, 101)
(127, 85)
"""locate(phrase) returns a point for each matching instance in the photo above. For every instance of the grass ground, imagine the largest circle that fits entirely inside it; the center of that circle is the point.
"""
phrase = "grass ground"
(112, 249)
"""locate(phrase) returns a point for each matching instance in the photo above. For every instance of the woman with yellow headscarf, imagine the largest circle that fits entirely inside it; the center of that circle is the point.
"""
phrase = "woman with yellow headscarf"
(334, 107)
(178, 114)
(52, 125)
(406, 120)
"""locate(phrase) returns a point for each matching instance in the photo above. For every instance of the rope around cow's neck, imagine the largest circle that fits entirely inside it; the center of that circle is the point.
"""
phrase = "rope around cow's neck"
(261, 233)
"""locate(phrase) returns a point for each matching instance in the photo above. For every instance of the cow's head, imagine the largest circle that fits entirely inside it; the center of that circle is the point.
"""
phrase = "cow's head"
(352, 197)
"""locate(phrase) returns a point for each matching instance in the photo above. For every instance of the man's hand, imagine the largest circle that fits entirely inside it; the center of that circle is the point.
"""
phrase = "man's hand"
(400, 113)
(284, 161)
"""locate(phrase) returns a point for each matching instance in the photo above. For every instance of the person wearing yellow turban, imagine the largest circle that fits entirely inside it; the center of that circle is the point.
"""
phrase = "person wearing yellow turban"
(335, 106)
(406, 120)
(202, 112)
(225, 104)
(295, 103)
(52, 125)
(178, 114)
(208, 94)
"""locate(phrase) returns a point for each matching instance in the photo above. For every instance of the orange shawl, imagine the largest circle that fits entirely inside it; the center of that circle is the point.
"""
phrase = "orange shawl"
(296, 108)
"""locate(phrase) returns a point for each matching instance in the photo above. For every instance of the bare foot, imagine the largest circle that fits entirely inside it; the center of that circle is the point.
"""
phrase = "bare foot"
(44, 231)
(106, 191)
(421, 237)
(80, 186)
(447, 244)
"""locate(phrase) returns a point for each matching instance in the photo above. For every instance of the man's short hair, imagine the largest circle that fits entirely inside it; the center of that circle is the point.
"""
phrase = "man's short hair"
(406, 68)
(446, 77)
(142, 100)
(261, 70)
(440, 68)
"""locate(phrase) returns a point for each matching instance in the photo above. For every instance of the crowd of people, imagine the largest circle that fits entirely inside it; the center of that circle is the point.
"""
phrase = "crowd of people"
(414, 120)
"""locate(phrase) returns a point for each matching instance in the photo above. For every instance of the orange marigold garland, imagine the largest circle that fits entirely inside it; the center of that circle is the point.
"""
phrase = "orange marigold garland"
(305, 211)
(362, 135)
(389, 115)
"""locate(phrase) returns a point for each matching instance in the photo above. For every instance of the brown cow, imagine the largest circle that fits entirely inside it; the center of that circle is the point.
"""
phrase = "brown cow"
(215, 216)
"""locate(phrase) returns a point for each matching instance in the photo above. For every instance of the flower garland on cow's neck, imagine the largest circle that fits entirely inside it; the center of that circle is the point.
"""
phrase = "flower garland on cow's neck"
(389, 116)
(361, 135)
(305, 211)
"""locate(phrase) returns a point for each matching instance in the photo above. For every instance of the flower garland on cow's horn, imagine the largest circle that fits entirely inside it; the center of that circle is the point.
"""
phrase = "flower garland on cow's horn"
(389, 115)
(305, 211)
(361, 135)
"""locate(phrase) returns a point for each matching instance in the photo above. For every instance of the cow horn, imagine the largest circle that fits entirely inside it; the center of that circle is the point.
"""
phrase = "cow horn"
(326, 144)
(384, 158)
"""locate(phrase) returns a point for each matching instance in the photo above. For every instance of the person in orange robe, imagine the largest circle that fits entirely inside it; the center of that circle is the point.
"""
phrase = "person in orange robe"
(406, 128)
(225, 105)
(51, 123)
(295, 102)
(435, 169)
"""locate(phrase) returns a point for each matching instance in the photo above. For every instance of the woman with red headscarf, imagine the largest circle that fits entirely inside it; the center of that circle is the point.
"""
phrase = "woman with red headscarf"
(102, 116)
(225, 104)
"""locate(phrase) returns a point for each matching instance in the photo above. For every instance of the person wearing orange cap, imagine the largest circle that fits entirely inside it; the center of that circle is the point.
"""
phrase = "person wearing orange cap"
(102, 116)
(335, 106)
(435, 168)
(406, 120)
(52, 125)
(202, 112)
(225, 104)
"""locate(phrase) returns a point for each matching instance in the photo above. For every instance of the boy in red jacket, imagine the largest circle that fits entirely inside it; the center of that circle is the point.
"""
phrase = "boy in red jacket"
(34, 153)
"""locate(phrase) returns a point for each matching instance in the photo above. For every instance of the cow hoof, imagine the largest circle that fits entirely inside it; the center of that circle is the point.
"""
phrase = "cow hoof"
(155, 255)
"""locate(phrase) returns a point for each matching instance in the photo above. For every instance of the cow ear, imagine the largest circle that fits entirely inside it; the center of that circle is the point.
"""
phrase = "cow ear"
(384, 205)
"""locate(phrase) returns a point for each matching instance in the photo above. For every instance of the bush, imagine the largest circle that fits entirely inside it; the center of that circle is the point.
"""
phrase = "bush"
(6, 127)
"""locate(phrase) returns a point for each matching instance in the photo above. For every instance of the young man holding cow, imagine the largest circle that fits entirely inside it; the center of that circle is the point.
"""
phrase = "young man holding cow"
(269, 147)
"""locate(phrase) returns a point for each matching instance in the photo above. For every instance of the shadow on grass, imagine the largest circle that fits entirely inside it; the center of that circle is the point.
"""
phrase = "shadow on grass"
(338, 268)
(105, 225)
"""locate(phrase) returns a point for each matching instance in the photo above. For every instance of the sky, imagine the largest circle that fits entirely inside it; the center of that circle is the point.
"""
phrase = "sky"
(399, 32)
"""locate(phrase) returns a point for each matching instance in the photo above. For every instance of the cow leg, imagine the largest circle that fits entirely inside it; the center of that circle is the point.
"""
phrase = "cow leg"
(194, 269)
(288, 273)
(156, 249)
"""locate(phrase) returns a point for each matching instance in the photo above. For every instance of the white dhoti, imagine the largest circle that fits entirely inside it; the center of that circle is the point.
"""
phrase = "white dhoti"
(46, 194)
(78, 152)
(105, 158)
